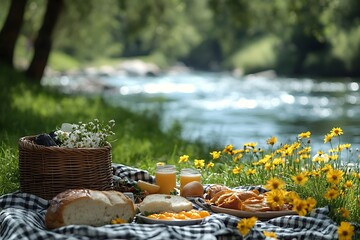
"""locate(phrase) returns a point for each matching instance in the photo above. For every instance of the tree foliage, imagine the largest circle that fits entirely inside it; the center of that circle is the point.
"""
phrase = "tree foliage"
(313, 37)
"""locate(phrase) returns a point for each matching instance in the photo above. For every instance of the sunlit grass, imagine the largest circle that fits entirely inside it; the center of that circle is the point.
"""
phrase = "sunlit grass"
(28, 109)
(256, 55)
(62, 62)
(9, 174)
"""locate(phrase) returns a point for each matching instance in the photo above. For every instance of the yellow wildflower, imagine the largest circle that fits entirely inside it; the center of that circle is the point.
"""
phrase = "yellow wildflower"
(236, 158)
(296, 145)
(271, 141)
(275, 198)
(228, 149)
(266, 159)
(304, 156)
(237, 169)
(250, 144)
(304, 135)
(311, 203)
(251, 171)
(346, 145)
(326, 168)
(283, 149)
(267, 166)
(348, 184)
(334, 157)
(328, 137)
(306, 173)
(300, 206)
(305, 150)
(344, 213)
(199, 163)
(340, 148)
(236, 151)
(331, 194)
(160, 164)
(215, 154)
(245, 225)
(183, 158)
(210, 165)
(315, 173)
(334, 176)
(334, 150)
(287, 152)
(291, 196)
(345, 231)
(278, 161)
(337, 131)
(300, 179)
(321, 157)
(275, 183)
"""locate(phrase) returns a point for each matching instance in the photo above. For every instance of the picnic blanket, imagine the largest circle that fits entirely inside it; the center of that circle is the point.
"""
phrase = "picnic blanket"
(22, 217)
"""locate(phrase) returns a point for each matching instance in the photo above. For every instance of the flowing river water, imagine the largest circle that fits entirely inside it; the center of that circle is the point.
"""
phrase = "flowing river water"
(222, 108)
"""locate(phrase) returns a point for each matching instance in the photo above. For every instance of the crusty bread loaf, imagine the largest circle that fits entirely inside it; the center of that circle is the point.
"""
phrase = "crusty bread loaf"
(157, 203)
(88, 207)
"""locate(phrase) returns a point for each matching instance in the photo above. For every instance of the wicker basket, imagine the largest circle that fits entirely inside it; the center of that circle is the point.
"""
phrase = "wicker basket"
(47, 171)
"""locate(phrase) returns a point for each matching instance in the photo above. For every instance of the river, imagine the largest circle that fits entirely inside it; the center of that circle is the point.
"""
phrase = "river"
(222, 108)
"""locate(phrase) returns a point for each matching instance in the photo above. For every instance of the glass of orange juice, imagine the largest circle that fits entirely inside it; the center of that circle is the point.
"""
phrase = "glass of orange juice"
(189, 175)
(165, 177)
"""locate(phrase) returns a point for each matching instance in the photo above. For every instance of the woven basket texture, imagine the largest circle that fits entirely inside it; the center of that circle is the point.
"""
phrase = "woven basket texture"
(47, 171)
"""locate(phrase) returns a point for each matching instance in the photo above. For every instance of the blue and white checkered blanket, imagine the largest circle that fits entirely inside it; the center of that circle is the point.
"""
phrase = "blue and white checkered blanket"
(22, 217)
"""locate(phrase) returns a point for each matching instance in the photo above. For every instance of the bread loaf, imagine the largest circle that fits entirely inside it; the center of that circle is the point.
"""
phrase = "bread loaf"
(88, 207)
(158, 203)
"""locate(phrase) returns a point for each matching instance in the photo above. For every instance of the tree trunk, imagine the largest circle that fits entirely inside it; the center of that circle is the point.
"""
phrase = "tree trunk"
(43, 42)
(10, 31)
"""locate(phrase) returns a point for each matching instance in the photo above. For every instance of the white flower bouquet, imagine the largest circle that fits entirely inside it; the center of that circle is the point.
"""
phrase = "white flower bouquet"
(84, 135)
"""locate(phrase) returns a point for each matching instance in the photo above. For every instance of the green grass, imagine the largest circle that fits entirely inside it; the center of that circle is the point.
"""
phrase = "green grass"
(9, 173)
(62, 62)
(257, 55)
(28, 109)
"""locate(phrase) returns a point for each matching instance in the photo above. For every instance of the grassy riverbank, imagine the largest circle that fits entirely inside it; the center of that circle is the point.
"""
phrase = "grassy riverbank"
(27, 109)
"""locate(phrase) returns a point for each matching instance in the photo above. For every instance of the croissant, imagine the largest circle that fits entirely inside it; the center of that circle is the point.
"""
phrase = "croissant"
(244, 195)
(222, 194)
(232, 202)
(250, 200)
(214, 189)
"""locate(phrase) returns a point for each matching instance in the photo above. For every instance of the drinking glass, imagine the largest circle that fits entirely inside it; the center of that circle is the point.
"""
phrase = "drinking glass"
(165, 177)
